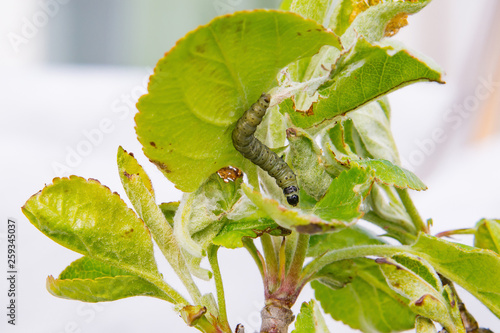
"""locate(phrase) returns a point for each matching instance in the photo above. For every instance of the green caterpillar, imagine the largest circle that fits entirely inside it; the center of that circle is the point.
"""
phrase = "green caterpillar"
(245, 142)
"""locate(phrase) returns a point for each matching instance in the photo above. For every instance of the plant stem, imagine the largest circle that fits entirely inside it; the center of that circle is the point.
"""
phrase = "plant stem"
(221, 300)
(271, 262)
(282, 259)
(257, 257)
(298, 259)
(290, 246)
(348, 253)
(412, 210)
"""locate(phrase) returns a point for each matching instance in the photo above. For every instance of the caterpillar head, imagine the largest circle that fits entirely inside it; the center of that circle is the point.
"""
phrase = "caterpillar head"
(291, 194)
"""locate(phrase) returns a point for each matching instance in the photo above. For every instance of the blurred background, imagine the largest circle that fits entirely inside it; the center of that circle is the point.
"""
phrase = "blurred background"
(72, 70)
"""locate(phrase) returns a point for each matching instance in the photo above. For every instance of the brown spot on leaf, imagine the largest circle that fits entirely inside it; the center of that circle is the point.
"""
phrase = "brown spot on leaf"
(191, 313)
(310, 112)
(128, 232)
(291, 132)
(299, 34)
(421, 300)
(229, 174)
(397, 22)
(201, 48)
(153, 144)
(387, 262)
(162, 166)
(360, 6)
(126, 174)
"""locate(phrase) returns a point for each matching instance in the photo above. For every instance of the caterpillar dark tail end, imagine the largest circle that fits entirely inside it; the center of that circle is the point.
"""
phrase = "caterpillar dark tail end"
(245, 142)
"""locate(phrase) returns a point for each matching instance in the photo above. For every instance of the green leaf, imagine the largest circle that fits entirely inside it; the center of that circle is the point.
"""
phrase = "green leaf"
(367, 303)
(304, 158)
(385, 211)
(206, 82)
(336, 275)
(487, 235)
(202, 214)
(137, 185)
(364, 288)
(291, 218)
(344, 197)
(88, 218)
(232, 233)
(421, 268)
(316, 10)
(90, 280)
(364, 74)
(374, 129)
(218, 214)
(169, 209)
(310, 319)
(389, 174)
(349, 237)
(135, 182)
(340, 205)
(476, 270)
(374, 22)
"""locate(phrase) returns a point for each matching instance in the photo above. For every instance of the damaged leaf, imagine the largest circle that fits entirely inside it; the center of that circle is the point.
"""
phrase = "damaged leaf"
(364, 74)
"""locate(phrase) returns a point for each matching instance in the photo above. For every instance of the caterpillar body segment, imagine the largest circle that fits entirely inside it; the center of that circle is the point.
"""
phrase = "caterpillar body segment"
(245, 142)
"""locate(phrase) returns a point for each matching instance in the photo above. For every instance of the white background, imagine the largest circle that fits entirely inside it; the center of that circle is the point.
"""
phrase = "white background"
(48, 107)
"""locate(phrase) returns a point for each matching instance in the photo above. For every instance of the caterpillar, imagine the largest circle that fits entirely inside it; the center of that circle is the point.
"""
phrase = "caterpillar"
(245, 142)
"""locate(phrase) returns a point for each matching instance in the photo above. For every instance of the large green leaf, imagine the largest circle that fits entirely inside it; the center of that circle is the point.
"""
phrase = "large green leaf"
(90, 280)
(88, 218)
(310, 319)
(364, 74)
(354, 291)
(476, 270)
(205, 83)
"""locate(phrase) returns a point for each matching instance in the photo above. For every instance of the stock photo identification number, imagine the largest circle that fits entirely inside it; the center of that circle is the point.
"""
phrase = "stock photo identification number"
(11, 271)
